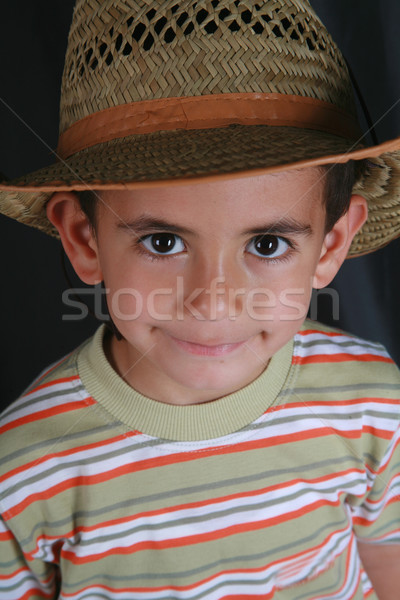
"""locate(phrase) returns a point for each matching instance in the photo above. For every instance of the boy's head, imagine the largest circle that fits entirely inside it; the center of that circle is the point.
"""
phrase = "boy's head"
(206, 281)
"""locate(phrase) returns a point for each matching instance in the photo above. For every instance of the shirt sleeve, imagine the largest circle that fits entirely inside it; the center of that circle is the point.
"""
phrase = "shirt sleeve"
(376, 517)
(21, 578)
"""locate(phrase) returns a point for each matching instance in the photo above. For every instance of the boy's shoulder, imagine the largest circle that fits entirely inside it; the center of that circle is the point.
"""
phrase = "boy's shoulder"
(315, 338)
(331, 356)
(42, 416)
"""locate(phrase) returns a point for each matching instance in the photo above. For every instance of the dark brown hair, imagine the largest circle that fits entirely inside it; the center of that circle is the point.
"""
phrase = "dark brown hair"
(88, 201)
(339, 182)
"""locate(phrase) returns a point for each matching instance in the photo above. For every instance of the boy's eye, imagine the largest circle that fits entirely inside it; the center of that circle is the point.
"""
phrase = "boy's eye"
(268, 246)
(163, 243)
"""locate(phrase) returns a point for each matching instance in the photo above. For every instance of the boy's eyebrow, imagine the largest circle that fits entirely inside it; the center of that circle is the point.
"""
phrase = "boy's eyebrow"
(146, 223)
(282, 226)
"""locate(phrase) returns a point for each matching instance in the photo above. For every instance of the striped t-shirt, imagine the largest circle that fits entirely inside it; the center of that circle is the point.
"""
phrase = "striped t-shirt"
(106, 494)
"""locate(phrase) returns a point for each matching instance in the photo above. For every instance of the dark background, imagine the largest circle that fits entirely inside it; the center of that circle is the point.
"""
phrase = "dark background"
(32, 46)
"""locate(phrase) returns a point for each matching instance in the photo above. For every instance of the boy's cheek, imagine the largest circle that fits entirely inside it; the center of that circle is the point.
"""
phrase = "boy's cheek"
(125, 304)
(166, 304)
(264, 304)
(285, 297)
(294, 303)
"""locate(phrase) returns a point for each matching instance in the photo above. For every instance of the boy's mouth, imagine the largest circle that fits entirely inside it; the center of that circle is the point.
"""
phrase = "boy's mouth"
(207, 349)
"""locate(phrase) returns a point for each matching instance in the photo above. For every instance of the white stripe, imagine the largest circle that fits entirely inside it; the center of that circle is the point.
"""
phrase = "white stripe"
(332, 345)
(67, 397)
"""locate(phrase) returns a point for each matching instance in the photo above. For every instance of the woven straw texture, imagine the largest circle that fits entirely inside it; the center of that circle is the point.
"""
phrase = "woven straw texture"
(123, 51)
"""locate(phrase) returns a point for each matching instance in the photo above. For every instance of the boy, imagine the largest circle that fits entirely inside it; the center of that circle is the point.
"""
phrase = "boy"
(212, 444)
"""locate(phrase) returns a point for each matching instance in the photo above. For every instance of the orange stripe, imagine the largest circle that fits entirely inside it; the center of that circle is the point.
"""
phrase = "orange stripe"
(6, 536)
(342, 357)
(48, 413)
(380, 433)
(206, 112)
(11, 575)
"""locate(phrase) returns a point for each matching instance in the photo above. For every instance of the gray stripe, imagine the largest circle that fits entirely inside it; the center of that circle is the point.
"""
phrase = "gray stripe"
(342, 344)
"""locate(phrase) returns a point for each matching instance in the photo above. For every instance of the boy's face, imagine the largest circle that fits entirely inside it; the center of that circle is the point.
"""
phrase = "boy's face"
(207, 281)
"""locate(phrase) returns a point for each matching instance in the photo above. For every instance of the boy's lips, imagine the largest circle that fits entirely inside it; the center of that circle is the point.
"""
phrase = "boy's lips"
(207, 349)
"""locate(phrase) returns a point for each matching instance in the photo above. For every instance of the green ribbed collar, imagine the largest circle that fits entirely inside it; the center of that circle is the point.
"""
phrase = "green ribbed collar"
(182, 423)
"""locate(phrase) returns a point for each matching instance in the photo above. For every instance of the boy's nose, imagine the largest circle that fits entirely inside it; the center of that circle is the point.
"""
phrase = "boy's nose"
(212, 296)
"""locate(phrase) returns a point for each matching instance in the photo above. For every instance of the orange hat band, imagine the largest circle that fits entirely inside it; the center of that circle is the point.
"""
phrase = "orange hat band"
(206, 112)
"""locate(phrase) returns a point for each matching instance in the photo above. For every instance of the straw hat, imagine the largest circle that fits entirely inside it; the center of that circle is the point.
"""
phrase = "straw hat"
(175, 91)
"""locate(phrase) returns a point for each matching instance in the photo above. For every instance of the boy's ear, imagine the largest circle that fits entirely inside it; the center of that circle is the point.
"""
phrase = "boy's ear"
(338, 240)
(77, 235)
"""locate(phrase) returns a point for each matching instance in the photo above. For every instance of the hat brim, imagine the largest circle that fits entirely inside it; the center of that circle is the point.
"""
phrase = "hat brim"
(183, 156)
